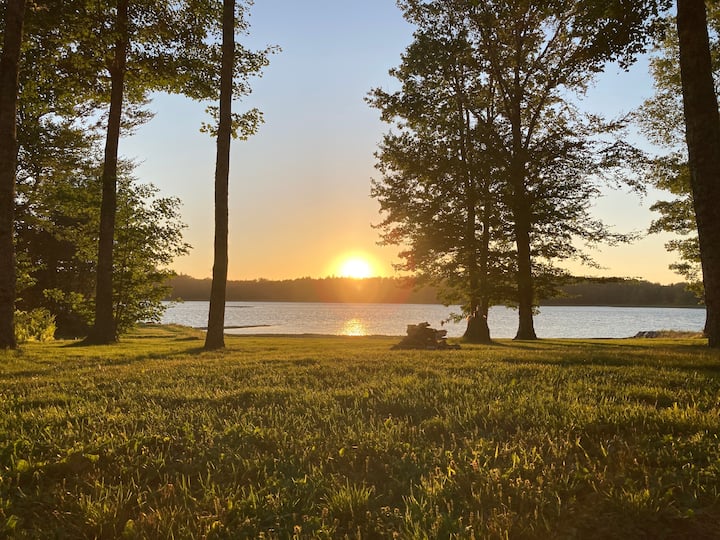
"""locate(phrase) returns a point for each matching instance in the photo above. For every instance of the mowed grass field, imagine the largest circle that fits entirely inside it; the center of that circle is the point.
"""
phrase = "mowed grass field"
(338, 437)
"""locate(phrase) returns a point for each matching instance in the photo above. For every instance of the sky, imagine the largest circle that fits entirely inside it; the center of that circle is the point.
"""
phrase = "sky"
(300, 200)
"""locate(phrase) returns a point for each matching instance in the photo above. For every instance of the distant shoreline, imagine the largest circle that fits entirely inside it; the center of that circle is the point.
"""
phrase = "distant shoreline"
(665, 306)
(611, 292)
(233, 327)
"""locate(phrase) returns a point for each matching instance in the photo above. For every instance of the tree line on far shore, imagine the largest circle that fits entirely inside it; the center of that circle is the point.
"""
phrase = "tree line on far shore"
(579, 292)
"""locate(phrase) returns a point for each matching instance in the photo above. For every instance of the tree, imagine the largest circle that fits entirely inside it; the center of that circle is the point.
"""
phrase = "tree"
(702, 130)
(662, 121)
(537, 52)
(105, 327)
(57, 235)
(12, 41)
(215, 337)
(437, 191)
(677, 216)
(237, 64)
(57, 204)
(510, 127)
(141, 46)
(58, 109)
(72, 76)
(59, 192)
(148, 238)
(140, 32)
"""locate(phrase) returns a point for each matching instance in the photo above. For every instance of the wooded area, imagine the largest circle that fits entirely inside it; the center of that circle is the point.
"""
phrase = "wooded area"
(85, 247)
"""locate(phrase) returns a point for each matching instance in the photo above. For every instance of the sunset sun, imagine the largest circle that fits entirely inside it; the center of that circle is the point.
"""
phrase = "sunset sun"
(355, 267)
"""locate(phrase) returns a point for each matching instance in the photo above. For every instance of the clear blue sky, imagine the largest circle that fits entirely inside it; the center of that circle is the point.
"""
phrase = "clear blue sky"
(300, 188)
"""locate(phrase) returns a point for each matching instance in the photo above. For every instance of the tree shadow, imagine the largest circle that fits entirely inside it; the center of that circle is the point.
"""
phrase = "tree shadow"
(604, 352)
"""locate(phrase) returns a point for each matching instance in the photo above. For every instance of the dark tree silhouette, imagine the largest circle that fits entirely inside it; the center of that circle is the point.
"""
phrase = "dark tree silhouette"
(105, 330)
(537, 52)
(702, 131)
(14, 18)
(215, 338)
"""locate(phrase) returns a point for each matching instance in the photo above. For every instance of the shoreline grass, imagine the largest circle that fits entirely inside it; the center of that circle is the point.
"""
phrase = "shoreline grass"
(334, 437)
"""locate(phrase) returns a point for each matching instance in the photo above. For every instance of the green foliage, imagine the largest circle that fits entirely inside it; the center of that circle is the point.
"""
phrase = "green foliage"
(243, 125)
(35, 325)
(621, 292)
(286, 437)
(174, 48)
(73, 308)
(57, 232)
(65, 87)
(148, 238)
(661, 120)
(440, 191)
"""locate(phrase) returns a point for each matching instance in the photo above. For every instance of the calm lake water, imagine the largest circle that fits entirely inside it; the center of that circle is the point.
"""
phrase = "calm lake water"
(392, 319)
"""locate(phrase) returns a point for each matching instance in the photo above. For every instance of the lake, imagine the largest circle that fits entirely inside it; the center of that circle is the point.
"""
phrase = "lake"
(392, 319)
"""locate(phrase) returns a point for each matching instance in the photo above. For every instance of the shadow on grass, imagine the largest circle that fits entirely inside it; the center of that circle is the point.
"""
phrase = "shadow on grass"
(125, 352)
(618, 352)
(178, 341)
(82, 344)
(25, 374)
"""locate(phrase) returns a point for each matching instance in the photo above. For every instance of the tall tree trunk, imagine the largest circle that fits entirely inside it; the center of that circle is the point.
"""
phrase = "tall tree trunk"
(526, 326)
(484, 263)
(702, 123)
(215, 338)
(105, 328)
(14, 17)
(522, 219)
(521, 212)
(478, 330)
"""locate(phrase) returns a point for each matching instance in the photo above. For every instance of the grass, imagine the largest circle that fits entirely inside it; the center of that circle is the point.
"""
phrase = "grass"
(332, 437)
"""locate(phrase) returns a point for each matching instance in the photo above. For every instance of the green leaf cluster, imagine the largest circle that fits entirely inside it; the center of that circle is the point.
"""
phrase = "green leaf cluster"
(661, 120)
(35, 325)
(59, 236)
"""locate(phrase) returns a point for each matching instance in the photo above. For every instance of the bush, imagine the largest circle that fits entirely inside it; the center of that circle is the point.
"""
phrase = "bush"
(35, 325)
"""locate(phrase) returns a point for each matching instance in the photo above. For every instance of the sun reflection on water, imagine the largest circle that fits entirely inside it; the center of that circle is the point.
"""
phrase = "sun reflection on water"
(354, 327)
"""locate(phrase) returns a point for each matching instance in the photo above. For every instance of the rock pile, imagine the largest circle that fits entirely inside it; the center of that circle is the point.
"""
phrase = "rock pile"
(647, 334)
(421, 336)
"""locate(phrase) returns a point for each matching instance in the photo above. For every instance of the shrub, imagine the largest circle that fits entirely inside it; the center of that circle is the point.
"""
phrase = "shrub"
(35, 325)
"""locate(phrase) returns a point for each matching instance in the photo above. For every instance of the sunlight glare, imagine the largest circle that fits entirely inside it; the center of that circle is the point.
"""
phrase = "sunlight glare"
(354, 327)
(356, 268)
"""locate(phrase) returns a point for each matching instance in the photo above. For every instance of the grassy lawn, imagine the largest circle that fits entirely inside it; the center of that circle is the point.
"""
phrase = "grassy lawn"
(331, 437)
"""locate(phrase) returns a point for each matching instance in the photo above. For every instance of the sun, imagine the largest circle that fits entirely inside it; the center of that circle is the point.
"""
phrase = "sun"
(355, 267)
